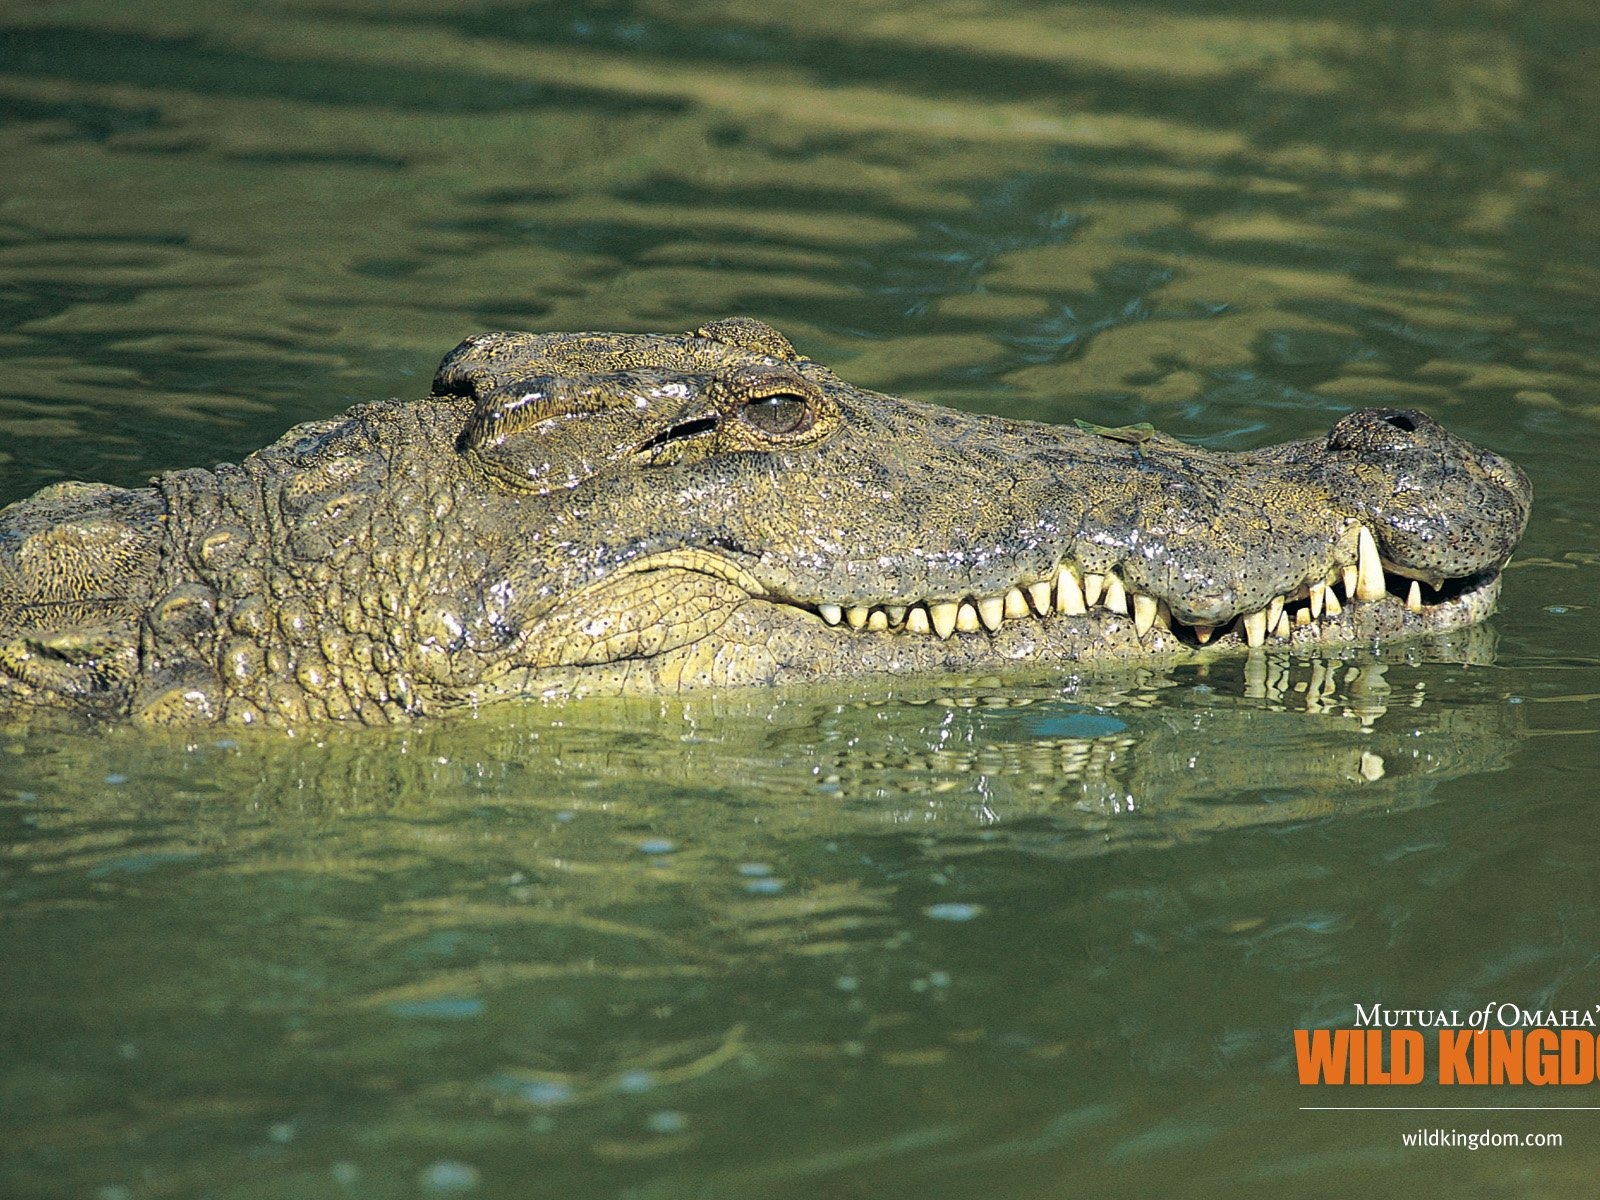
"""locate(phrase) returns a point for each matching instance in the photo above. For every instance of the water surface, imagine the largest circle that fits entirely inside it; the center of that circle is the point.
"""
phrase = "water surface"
(1034, 935)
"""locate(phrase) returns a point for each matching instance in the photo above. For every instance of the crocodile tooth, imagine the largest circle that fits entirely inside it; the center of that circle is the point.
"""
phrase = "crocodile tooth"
(1330, 604)
(1070, 601)
(877, 620)
(831, 613)
(1016, 604)
(1369, 581)
(1144, 613)
(967, 618)
(1414, 597)
(1255, 626)
(1039, 596)
(1202, 633)
(992, 610)
(856, 615)
(1350, 575)
(1282, 629)
(1274, 611)
(917, 620)
(1302, 616)
(1116, 597)
(943, 616)
(1318, 590)
(1093, 584)
(896, 613)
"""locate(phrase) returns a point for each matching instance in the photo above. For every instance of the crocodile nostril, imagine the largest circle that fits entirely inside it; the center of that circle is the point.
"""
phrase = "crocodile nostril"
(1403, 421)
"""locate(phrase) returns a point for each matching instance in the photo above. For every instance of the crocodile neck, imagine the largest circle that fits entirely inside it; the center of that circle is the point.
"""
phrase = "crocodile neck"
(78, 570)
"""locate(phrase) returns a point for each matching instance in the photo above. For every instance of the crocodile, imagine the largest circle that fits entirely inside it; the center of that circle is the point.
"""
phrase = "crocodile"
(580, 513)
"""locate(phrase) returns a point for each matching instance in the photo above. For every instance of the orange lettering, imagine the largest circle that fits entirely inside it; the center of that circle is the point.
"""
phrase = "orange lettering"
(1355, 1056)
(1405, 1056)
(1322, 1055)
(1505, 1056)
(1456, 1063)
(1577, 1056)
(1543, 1056)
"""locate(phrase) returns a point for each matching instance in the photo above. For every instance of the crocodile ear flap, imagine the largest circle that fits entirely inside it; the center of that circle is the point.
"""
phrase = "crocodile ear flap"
(487, 361)
(549, 433)
(747, 333)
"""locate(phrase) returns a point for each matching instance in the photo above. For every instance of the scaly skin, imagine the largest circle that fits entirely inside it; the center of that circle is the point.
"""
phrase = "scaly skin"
(575, 513)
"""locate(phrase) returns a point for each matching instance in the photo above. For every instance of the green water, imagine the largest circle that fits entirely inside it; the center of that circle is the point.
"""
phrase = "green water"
(1032, 936)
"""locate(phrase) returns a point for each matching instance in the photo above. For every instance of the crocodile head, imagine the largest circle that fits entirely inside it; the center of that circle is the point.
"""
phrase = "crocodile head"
(574, 513)
(716, 509)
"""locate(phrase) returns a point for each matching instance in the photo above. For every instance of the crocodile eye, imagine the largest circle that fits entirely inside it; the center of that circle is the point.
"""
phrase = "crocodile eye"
(778, 414)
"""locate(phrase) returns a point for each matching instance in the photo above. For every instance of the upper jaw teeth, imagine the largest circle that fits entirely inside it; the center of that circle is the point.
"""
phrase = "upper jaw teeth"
(1067, 591)
(1369, 567)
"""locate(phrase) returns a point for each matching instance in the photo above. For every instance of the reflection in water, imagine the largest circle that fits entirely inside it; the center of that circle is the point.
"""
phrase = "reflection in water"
(1149, 740)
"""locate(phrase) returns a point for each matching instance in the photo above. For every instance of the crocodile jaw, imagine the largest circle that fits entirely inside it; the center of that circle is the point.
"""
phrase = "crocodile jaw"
(693, 621)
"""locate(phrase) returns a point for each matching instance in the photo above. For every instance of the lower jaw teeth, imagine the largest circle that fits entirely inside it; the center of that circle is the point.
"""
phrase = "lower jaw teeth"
(1067, 592)
(1280, 620)
(1255, 627)
(1145, 610)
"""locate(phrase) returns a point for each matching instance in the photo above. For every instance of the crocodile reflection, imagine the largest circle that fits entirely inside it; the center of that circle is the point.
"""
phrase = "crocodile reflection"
(1154, 754)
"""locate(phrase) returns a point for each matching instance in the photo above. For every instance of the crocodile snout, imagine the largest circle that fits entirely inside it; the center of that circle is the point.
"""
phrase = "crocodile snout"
(1439, 506)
